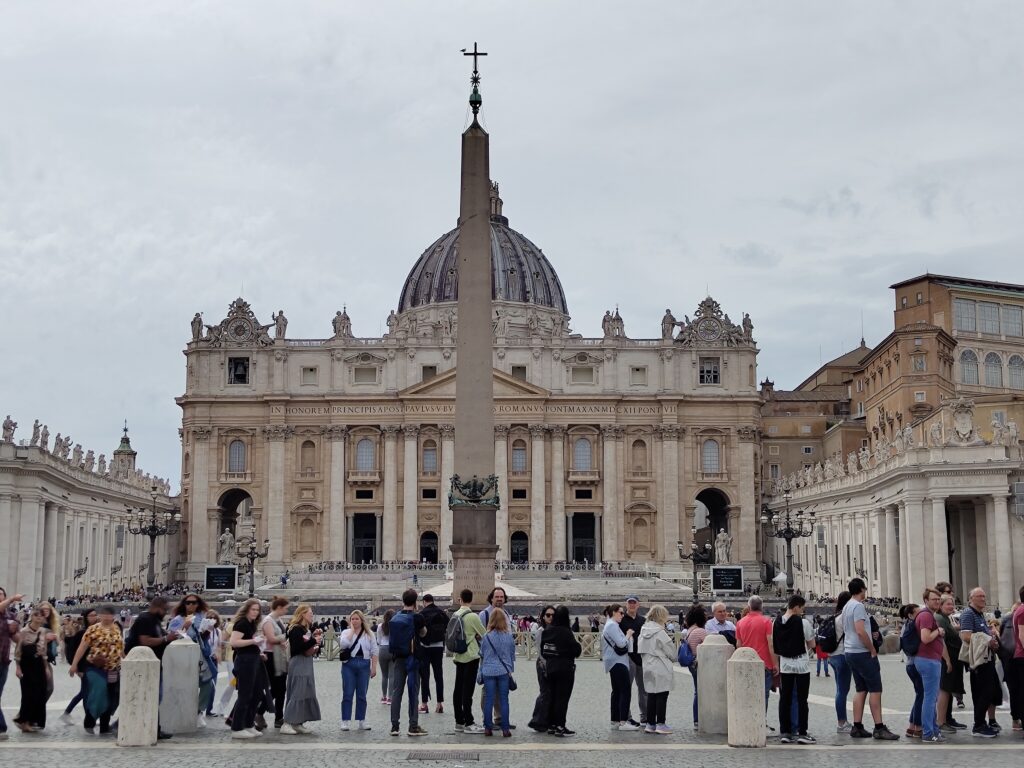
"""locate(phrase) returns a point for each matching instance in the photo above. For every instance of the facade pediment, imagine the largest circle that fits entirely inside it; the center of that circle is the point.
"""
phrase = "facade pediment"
(443, 385)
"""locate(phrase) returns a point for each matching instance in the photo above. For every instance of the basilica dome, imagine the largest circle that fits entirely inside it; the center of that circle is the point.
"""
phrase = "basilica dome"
(519, 270)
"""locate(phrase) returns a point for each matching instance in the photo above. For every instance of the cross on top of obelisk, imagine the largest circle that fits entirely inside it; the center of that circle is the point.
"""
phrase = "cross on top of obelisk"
(475, 99)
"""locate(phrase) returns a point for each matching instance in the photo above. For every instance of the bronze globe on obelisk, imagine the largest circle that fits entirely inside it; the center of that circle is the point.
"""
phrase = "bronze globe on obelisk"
(474, 495)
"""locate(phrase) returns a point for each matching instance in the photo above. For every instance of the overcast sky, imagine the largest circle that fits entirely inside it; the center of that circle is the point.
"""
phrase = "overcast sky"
(795, 159)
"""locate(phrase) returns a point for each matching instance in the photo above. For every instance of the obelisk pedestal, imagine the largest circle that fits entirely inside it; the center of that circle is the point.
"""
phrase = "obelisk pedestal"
(474, 561)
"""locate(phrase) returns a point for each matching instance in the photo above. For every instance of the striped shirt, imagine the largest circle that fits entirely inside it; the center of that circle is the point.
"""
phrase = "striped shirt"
(972, 621)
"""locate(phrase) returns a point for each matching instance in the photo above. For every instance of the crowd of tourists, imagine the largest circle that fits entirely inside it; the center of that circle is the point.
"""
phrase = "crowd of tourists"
(268, 661)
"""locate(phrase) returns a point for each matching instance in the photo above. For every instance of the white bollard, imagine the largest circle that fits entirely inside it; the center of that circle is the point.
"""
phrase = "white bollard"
(180, 706)
(712, 701)
(745, 685)
(140, 699)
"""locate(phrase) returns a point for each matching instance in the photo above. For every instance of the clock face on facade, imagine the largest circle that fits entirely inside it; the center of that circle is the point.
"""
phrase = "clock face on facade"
(709, 329)
(240, 330)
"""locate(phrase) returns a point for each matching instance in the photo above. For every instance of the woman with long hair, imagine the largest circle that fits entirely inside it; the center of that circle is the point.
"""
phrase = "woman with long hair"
(248, 663)
(215, 638)
(73, 634)
(841, 672)
(914, 728)
(384, 655)
(189, 619)
(32, 669)
(614, 645)
(104, 644)
(695, 621)
(51, 618)
(275, 646)
(560, 649)
(497, 663)
(301, 705)
(357, 670)
(539, 721)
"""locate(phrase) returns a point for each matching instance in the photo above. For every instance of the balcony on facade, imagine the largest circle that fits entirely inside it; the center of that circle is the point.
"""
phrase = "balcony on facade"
(364, 476)
(236, 477)
(308, 475)
(639, 474)
(714, 477)
(584, 476)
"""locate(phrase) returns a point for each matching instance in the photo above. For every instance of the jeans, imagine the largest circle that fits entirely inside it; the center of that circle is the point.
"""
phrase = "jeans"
(78, 696)
(432, 658)
(793, 693)
(930, 671)
(213, 692)
(496, 688)
(99, 678)
(621, 693)
(841, 673)
(822, 663)
(384, 667)
(3, 681)
(636, 674)
(405, 672)
(355, 679)
(462, 694)
(767, 688)
(693, 672)
(915, 678)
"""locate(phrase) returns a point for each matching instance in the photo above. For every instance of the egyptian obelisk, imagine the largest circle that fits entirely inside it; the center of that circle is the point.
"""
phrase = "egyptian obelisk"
(473, 530)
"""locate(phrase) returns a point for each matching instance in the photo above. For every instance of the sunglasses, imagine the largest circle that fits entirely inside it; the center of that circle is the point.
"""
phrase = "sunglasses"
(191, 602)
(549, 615)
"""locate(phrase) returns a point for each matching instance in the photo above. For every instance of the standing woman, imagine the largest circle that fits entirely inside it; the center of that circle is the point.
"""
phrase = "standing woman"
(102, 646)
(33, 670)
(71, 642)
(909, 614)
(952, 682)
(497, 663)
(840, 669)
(52, 620)
(275, 638)
(658, 653)
(301, 705)
(614, 645)
(696, 619)
(384, 655)
(248, 664)
(215, 638)
(539, 721)
(931, 659)
(560, 649)
(357, 671)
(228, 655)
(188, 621)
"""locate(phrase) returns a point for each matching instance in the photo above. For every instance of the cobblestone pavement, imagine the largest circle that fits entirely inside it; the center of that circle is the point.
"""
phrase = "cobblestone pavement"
(588, 715)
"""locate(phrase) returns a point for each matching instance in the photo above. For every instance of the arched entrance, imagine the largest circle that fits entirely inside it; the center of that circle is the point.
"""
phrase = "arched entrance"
(232, 507)
(520, 547)
(711, 514)
(428, 547)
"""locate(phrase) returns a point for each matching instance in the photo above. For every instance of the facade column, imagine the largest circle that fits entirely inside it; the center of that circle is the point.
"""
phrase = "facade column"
(1017, 539)
(37, 563)
(410, 488)
(673, 532)
(538, 518)
(968, 553)
(389, 545)
(337, 549)
(8, 546)
(49, 563)
(904, 552)
(891, 559)
(558, 524)
(447, 470)
(1004, 562)
(982, 545)
(501, 472)
(917, 579)
(609, 494)
(350, 532)
(748, 512)
(28, 510)
(275, 435)
(378, 542)
(199, 550)
(940, 542)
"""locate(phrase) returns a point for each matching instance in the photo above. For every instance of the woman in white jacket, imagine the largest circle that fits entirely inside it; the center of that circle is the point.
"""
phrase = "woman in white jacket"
(658, 653)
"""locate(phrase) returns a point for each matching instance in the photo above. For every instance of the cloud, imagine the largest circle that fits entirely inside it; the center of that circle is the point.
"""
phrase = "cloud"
(752, 255)
(828, 204)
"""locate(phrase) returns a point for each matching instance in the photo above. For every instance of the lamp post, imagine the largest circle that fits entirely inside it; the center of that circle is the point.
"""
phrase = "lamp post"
(788, 528)
(823, 566)
(154, 525)
(249, 551)
(859, 569)
(697, 555)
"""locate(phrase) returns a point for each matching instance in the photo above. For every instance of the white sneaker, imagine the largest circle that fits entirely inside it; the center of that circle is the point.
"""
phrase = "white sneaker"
(362, 726)
(256, 733)
(201, 721)
(300, 728)
(345, 726)
(289, 730)
(473, 729)
(243, 734)
(627, 727)
(67, 718)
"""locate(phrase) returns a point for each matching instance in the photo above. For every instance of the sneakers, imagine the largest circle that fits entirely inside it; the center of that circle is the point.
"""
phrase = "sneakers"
(201, 721)
(881, 733)
(415, 730)
(67, 718)
(628, 726)
(937, 739)
(345, 725)
(786, 738)
(288, 730)
(256, 732)
(395, 731)
(562, 731)
(947, 728)
(858, 731)
(631, 721)
(439, 709)
(650, 729)
(805, 738)
(661, 729)
(956, 724)
(844, 728)
(983, 732)
(362, 726)
(424, 708)
(244, 734)
(995, 726)
(473, 730)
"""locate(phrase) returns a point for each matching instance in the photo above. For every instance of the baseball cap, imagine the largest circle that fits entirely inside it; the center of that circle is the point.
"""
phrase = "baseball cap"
(632, 599)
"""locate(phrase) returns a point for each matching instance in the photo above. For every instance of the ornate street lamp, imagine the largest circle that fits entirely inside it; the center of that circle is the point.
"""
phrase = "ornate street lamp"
(249, 551)
(696, 555)
(823, 566)
(788, 528)
(862, 572)
(117, 568)
(150, 523)
(80, 572)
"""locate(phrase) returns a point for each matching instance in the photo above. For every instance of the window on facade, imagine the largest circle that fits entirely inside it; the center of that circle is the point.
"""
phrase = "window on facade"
(773, 450)
(710, 456)
(308, 455)
(429, 457)
(519, 372)
(1016, 369)
(918, 342)
(860, 409)
(988, 317)
(920, 298)
(364, 374)
(428, 493)
(308, 375)
(364, 494)
(903, 302)
(584, 494)
(919, 397)
(968, 367)
(993, 370)
(582, 374)
(428, 372)
(582, 455)
(773, 430)
(366, 455)
(1013, 322)
(236, 456)
(808, 449)
(774, 471)
(920, 363)
(963, 315)
(805, 429)
(519, 456)
(519, 493)
(238, 370)
(639, 451)
(710, 370)
(638, 375)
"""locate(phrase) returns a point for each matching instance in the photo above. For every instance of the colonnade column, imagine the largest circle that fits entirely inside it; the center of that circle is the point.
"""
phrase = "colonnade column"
(447, 469)
(7, 543)
(49, 561)
(609, 494)
(275, 435)
(1004, 562)
(37, 564)
(983, 544)
(940, 542)
(410, 488)
(748, 512)
(27, 548)
(389, 544)
(968, 553)
(916, 576)
(670, 472)
(891, 558)
(337, 548)
(199, 533)
(904, 552)
(558, 540)
(538, 518)
(501, 472)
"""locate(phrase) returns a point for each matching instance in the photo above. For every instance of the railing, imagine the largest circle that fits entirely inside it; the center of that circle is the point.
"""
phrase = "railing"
(307, 474)
(638, 474)
(587, 476)
(236, 477)
(356, 476)
(305, 342)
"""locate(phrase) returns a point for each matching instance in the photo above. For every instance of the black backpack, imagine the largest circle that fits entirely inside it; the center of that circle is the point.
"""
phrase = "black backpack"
(437, 625)
(826, 636)
(910, 638)
(788, 637)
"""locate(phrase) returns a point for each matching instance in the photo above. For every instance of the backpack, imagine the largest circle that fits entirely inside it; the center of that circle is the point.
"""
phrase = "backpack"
(437, 626)
(910, 638)
(401, 632)
(1007, 641)
(788, 637)
(826, 636)
(455, 635)
(876, 633)
(686, 657)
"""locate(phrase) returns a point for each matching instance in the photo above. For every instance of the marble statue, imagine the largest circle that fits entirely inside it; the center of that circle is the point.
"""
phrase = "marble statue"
(668, 324)
(9, 427)
(819, 473)
(448, 322)
(723, 547)
(748, 327)
(500, 324)
(280, 324)
(830, 470)
(392, 323)
(851, 463)
(1012, 434)
(533, 323)
(197, 326)
(897, 441)
(865, 458)
(998, 433)
(90, 461)
(342, 324)
(227, 547)
(76, 456)
(44, 438)
(35, 433)
(607, 323)
(908, 437)
(935, 434)
(58, 445)
(101, 465)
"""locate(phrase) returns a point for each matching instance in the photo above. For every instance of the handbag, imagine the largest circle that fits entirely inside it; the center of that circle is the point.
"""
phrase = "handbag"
(512, 685)
(346, 653)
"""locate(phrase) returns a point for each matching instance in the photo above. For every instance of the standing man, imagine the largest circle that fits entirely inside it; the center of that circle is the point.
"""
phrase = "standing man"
(8, 633)
(720, 624)
(862, 659)
(1016, 666)
(793, 639)
(148, 630)
(466, 665)
(986, 691)
(496, 598)
(633, 620)
(755, 631)
(404, 632)
(432, 653)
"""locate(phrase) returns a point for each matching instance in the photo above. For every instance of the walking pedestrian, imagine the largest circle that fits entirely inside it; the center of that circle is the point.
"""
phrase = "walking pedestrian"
(215, 639)
(405, 628)
(614, 647)
(102, 646)
(497, 665)
(301, 705)
(538, 721)
(189, 617)
(560, 649)
(931, 657)
(384, 656)
(275, 648)
(696, 633)
(8, 633)
(862, 658)
(431, 655)
(792, 641)
(72, 639)
(467, 663)
(248, 669)
(359, 651)
(33, 670)
(632, 620)
(658, 654)
(986, 692)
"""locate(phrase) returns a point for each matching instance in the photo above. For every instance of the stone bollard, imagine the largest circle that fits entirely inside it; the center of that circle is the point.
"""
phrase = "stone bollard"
(712, 702)
(745, 685)
(180, 706)
(140, 699)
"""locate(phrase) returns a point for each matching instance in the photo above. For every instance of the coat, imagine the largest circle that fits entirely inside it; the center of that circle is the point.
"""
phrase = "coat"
(659, 654)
